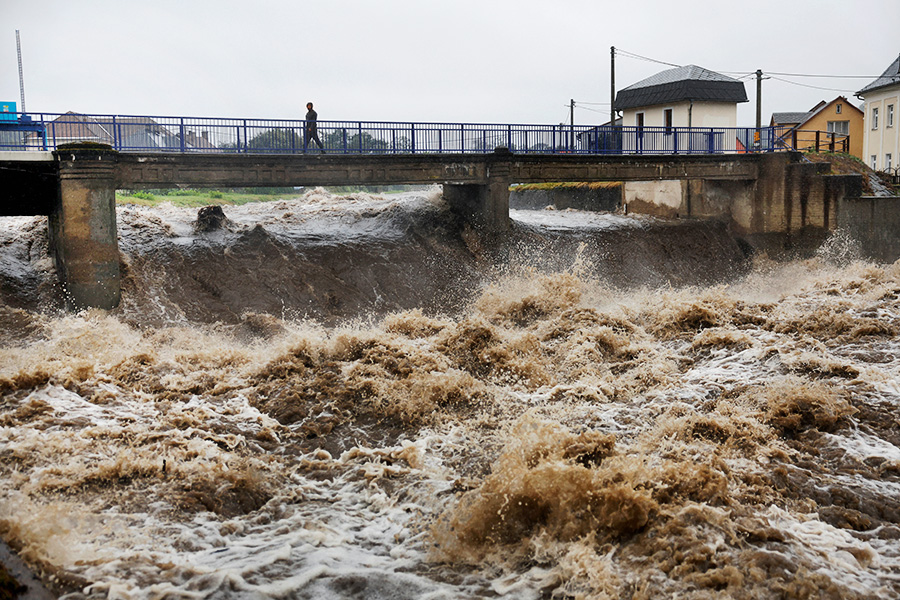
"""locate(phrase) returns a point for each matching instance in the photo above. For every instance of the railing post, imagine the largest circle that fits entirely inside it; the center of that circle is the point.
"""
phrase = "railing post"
(831, 143)
(412, 137)
(817, 140)
(181, 133)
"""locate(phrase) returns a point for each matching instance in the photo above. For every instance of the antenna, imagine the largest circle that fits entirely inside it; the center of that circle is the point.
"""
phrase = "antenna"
(21, 78)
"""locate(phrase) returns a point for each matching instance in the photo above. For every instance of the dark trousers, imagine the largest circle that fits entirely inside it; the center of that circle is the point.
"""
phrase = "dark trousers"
(312, 134)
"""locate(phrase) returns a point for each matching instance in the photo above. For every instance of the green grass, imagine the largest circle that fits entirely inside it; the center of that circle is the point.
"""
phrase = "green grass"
(561, 185)
(193, 198)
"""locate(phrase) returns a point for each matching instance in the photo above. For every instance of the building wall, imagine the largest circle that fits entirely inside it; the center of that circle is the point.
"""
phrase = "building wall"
(849, 112)
(702, 114)
(884, 140)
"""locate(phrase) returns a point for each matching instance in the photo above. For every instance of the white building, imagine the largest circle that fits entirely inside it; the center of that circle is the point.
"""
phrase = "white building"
(881, 144)
(688, 96)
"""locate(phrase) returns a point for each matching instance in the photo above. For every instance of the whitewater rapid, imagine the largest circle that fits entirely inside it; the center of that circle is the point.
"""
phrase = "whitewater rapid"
(353, 397)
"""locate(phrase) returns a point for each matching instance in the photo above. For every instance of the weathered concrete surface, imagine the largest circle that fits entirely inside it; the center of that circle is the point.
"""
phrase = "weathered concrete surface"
(873, 222)
(662, 197)
(83, 236)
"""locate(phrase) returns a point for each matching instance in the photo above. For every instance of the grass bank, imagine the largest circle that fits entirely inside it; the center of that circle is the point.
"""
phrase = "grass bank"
(203, 197)
(195, 198)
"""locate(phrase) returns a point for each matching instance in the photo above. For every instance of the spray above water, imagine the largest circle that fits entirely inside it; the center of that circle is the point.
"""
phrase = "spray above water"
(544, 432)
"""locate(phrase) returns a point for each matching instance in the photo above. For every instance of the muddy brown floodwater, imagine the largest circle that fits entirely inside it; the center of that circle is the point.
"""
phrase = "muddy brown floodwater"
(356, 397)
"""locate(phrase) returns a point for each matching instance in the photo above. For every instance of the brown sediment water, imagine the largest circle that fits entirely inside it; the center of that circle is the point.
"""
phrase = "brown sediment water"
(356, 397)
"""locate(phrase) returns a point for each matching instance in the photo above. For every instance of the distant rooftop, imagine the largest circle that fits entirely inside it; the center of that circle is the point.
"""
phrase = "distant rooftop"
(789, 118)
(798, 118)
(679, 84)
(891, 76)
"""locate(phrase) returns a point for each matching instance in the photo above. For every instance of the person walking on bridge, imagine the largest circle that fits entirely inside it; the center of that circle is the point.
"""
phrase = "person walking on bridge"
(311, 130)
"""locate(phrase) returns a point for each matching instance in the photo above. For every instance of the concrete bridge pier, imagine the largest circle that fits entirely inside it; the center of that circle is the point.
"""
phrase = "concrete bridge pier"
(83, 236)
(485, 206)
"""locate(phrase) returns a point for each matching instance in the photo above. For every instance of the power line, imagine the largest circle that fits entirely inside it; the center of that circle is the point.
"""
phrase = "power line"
(826, 76)
(744, 74)
(638, 56)
(592, 109)
(815, 87)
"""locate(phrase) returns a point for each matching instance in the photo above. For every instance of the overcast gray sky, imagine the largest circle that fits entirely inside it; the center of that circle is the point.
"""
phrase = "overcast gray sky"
(486, 61)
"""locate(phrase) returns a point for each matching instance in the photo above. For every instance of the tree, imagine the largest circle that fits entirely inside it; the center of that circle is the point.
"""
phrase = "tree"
(276, 140)
(361, 142)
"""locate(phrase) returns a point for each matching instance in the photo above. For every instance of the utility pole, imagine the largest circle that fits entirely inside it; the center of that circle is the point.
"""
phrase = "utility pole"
(21, 78)
(759, 74)
(572, 123)
(612, 86)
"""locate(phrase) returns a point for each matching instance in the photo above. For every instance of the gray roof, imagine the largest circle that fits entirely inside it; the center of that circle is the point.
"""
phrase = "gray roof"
(891, 76)
(682, 83)
(789, 117)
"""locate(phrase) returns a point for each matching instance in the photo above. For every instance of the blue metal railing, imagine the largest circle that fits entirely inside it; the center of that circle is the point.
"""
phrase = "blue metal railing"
(47, 131)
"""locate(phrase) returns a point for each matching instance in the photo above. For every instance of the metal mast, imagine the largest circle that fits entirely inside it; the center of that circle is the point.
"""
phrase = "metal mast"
(612, 86)
(21, 78)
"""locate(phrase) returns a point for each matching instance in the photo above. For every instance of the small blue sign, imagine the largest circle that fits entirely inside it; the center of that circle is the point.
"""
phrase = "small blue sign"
(7, 111)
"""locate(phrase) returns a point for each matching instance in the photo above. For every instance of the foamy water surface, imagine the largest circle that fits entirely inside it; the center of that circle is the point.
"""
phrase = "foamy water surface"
(555, 437)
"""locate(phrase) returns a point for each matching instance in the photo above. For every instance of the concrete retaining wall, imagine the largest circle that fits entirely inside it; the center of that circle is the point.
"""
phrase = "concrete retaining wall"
(873, 222)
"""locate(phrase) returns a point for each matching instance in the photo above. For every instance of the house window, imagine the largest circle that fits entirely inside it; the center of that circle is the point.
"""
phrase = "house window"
(667, 120)
(842, 127)
(838, 108)
(639, 119)
(875, 118)
(890, 115)
(874, 163)
(887, 162)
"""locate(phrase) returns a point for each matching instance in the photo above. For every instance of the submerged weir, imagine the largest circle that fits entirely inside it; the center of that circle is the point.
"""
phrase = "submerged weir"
(359, 397)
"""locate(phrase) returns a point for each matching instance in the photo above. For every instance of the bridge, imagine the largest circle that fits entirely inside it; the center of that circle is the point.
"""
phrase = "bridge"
(760, 193)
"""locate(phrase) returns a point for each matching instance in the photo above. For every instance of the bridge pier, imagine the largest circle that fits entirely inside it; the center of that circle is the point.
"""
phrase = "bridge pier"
(484, 206)
(83, 237)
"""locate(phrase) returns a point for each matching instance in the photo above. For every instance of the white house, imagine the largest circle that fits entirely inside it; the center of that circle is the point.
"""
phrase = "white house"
(688, 96)
(881, 144)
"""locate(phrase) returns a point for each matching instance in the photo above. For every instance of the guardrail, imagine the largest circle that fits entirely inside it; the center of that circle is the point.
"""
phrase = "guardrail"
(809, 140)
(47, 131)
(893, 174)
